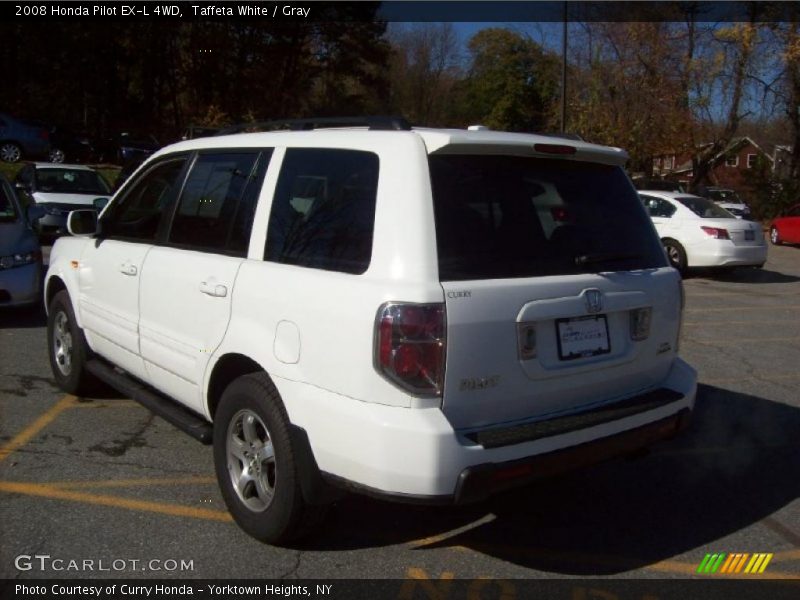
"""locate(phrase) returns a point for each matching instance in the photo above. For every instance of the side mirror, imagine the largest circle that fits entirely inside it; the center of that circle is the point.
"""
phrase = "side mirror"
(82, 222)
(99, 204)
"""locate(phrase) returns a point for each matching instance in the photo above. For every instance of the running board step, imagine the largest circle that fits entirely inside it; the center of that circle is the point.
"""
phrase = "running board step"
(167, 409)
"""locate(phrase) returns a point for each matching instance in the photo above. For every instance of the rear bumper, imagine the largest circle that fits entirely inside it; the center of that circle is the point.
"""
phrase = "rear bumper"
(480, 481)
(415, 455)
(723, 253)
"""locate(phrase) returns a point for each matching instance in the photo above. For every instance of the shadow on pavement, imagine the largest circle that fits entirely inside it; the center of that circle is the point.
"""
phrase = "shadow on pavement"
(742, 275)
(23, 317)
(734, 466)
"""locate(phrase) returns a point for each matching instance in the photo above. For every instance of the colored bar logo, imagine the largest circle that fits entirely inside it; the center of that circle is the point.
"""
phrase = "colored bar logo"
(732, 564)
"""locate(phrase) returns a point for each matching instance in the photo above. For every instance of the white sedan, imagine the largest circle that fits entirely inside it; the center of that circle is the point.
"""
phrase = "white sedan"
(696, 232)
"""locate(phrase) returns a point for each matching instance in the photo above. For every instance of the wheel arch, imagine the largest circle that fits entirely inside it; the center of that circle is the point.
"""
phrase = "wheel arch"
(53, 285)
(227, 368)
(686, 254)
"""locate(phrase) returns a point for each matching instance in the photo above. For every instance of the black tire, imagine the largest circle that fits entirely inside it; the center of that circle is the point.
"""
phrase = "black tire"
(270, 505)
(775, 236)
(67, 348)
(676, 254)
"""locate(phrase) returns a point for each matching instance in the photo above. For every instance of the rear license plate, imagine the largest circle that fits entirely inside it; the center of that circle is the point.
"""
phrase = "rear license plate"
(749, 235)
(582, 336)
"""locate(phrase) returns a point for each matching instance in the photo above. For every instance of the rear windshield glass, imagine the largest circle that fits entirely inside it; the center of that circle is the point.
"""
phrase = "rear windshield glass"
(705, 208)
(724, 196)
(507, 216)
(70, 181)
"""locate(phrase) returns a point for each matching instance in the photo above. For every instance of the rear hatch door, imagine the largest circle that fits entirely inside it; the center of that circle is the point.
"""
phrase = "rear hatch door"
(548, 265)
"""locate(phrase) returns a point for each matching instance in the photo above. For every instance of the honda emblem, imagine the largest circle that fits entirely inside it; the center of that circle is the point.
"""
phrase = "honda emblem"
(594, 301)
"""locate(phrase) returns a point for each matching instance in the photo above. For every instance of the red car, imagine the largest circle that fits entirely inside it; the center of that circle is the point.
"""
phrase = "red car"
(786, 229)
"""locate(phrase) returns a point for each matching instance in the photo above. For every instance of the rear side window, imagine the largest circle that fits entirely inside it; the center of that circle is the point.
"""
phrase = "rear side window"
(323, 212)
(508, 216)
(216, 208)
(705, 208)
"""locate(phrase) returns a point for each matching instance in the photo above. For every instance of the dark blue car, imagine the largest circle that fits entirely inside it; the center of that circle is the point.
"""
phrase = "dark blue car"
(19, 138)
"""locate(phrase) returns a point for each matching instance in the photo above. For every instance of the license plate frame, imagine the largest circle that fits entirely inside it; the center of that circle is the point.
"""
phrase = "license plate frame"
(582, 330)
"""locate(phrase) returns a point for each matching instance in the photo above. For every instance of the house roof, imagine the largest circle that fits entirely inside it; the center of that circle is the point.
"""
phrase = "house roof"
(734, 144)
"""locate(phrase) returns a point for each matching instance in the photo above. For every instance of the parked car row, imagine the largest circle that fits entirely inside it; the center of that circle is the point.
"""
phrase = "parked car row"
(22, 139)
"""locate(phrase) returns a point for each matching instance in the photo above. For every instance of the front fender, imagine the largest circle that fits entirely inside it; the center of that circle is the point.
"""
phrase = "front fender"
(64, 266)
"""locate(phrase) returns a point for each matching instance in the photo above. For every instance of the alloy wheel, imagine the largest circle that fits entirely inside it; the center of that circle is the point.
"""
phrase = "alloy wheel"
(62, 344)
(251, 460)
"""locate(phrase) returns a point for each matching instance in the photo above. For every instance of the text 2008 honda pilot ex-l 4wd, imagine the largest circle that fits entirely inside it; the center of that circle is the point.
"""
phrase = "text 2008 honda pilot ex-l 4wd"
(424, 315)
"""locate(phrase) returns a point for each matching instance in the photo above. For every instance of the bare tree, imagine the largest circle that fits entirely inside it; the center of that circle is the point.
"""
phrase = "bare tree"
(425, 67)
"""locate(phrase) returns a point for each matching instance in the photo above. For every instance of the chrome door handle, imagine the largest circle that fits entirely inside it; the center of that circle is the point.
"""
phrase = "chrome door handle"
(213, 289)
(128, 269)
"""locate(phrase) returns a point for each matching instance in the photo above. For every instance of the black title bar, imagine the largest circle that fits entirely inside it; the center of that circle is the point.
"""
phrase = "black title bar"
(717, 588)
(395, 11)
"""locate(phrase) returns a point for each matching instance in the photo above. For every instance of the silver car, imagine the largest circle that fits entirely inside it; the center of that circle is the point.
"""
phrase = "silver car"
(20, 253)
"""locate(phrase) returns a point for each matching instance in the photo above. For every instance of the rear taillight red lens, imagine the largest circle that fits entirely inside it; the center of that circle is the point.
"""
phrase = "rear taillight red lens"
(716, 232)
(410, 346)
(43, 134)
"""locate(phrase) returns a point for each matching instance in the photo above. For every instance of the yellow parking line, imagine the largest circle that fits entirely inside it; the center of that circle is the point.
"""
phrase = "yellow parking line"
(788, 555)
(24, 436)
(121, 483)
(177, 510)
(621, 563)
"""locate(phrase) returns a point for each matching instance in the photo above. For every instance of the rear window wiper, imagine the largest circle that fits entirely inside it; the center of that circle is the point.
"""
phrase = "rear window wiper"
(585, 259)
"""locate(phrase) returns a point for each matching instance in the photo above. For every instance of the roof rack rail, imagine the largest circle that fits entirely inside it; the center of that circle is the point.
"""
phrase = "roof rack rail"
(375, 123)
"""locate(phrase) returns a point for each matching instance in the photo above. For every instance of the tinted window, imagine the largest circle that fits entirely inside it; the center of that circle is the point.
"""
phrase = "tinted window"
(323, 212)
(8, 211)
(657, 207)
(703, 207)
(70, 181)
(138, 214)
(216, 208)
(506, 216)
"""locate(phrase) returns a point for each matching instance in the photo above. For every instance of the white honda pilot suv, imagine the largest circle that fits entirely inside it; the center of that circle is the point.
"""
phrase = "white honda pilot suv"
(425, 315)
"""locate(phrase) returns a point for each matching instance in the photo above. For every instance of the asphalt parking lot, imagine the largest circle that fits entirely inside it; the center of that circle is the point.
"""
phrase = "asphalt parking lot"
(101, 479)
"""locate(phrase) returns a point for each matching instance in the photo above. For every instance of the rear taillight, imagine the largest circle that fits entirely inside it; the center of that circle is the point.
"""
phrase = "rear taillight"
(410, 346)
(43, 134)
(716, 232)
